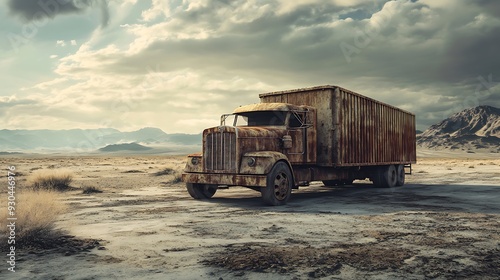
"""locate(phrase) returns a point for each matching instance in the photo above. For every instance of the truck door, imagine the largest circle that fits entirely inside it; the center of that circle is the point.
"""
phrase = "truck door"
(296, 130)
(303, 132)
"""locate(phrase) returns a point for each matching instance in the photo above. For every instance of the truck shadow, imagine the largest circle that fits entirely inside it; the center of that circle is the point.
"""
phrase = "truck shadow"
(364, 199)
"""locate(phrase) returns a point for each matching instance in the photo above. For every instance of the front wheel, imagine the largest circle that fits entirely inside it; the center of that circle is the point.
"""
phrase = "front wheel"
(279, 185)
(201, 191)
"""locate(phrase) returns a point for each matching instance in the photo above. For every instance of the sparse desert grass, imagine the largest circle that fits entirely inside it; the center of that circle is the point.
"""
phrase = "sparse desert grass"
(36, 213)
(44, 179)
(166, 171)
(472, 166)
(91, 189)
(133, 171)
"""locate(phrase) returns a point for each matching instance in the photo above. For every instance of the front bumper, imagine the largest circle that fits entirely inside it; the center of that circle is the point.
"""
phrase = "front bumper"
(225, 179)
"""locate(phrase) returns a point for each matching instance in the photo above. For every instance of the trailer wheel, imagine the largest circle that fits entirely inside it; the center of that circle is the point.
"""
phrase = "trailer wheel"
(390, 176)
(401, 175)
(201, 191)
(279, 185)
(385, 176)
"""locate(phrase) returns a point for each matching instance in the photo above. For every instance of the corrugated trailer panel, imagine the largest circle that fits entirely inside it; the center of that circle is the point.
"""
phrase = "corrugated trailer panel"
(371, 132)
(354, 130)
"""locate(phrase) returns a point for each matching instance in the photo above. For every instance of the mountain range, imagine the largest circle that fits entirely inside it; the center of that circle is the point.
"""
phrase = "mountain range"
(89, 139)
(470, 129)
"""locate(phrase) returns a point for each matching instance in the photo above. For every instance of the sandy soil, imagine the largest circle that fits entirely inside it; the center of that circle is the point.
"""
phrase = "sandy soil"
(443, 224)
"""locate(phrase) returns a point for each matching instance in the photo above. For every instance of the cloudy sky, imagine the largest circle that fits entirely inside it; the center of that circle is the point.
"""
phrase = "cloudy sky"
(179, 64)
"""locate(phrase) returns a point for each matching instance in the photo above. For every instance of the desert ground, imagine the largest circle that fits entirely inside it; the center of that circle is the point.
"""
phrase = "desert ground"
(443, 224)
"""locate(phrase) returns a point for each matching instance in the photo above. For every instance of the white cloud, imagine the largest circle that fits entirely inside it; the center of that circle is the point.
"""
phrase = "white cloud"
(158, 8)
(60, 43)
(73, 42)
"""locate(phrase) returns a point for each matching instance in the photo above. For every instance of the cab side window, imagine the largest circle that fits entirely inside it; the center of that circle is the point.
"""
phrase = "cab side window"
(297, 120)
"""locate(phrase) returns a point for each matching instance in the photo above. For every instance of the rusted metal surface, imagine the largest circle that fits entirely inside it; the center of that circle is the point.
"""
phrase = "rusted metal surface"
(267, 107)
(370, 132)
(224, 146)
(225, 179)
(220, 150)
(260, 162)
(352, 129)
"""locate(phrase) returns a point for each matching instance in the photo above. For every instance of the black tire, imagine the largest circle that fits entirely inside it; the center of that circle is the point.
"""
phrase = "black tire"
(279, 185)
(401, 175)
(201, 191)
(385, 176)
(390, 176)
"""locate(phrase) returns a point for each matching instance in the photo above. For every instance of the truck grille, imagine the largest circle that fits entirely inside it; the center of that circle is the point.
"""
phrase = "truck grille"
(220, 151)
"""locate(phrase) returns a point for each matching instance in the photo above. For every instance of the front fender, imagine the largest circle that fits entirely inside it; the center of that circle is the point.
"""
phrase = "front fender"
(260, 162)
(194, 163)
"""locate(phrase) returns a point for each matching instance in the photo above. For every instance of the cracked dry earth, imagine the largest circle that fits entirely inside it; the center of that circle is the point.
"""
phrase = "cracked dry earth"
(444, 224)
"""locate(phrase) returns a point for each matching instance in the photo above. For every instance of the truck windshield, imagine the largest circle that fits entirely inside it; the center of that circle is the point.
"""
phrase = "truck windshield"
(261, 118)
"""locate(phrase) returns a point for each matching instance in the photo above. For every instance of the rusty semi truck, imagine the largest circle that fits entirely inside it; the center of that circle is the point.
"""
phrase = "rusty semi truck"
(294, 137)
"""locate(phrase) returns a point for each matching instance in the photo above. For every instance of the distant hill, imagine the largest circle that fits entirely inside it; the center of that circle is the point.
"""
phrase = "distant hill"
(10, 153)
(88, 140)
(474, 128)
(124, 147)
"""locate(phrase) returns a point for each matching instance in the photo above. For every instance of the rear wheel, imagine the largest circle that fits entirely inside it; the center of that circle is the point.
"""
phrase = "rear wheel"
(279, 185)
(201, 191)
(385, 176)
(401, 175)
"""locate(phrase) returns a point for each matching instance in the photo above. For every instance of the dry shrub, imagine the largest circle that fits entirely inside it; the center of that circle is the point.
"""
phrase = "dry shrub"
(36, 213)
(176, 175)
(91, 189)
(177, 178)
(166, 171)
(58, 180)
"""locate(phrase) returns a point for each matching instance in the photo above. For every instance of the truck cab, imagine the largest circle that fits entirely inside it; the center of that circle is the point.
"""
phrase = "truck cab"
(249, 145)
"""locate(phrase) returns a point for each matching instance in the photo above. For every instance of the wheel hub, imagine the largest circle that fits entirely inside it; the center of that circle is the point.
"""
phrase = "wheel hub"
(281, 186)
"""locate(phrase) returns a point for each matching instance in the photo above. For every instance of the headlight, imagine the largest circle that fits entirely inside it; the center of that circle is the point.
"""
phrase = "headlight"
(195, 160)
(251, 161)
